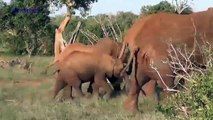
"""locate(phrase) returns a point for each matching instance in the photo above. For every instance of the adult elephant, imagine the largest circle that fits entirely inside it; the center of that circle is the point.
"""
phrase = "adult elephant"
(150, 46)
(79, 67)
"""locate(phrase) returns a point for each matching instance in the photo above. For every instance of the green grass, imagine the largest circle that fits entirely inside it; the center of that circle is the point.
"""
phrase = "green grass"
(27, 103)
(31, 99)
(17, 73)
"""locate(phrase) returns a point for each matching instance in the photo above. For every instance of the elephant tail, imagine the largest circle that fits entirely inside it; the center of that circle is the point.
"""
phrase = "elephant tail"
(56, 71)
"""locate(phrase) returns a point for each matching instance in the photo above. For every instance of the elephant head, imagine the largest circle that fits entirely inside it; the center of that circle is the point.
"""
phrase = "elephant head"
(115, 68)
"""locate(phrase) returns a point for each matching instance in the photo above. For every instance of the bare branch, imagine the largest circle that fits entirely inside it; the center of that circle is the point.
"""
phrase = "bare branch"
(70, 3)
(120, 33)
(113, 29)
(102, 26)
(29, 48)
(88, 36)
(75, 33)
(167, 88)
(181, 5)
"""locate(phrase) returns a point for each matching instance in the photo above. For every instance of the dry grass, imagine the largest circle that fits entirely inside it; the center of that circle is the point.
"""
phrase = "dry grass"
(28, 97)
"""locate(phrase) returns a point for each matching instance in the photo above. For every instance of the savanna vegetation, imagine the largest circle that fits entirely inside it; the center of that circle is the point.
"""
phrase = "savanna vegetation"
(26, 94)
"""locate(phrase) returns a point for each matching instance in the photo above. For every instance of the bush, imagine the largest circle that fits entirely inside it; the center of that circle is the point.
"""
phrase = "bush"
(197, 100)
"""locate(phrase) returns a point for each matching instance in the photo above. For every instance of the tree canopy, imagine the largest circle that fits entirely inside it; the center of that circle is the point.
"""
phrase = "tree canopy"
(27, 28)
(26, 25)
(163, 6)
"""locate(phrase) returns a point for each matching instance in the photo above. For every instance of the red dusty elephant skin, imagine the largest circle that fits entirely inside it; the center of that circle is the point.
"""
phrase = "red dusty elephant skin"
(79, 67)
(151, 38)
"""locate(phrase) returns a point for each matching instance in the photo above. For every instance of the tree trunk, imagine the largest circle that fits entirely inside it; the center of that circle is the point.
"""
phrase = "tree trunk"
(60, 44)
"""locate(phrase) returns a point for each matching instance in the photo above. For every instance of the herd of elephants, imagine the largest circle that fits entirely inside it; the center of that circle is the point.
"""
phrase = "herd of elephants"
(147, 42)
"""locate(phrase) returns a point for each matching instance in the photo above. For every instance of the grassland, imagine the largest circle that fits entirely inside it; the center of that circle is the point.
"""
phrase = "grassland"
(25, 96)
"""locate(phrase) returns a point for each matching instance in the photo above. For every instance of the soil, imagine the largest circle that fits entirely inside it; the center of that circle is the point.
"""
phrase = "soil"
(27, 83)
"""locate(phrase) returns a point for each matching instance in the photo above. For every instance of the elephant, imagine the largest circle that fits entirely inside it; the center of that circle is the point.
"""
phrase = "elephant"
(79, 67)
(150, 36)
(105, 46)
(66, 51)
(111, 47)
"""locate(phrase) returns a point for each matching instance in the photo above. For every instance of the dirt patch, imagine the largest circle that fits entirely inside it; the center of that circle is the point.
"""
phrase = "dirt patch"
(25, 83)
(3, 82)
(30, 83)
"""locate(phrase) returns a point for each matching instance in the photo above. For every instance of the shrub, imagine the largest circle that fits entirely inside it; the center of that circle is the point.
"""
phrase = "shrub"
(194, 103)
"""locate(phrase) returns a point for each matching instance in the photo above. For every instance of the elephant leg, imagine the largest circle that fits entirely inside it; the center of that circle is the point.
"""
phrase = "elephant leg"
(95, 88)
(90, 89)
(66, 92)
(76, 84)
(138, 80)
(126, 82)
(100, 81)
(164, 72)
(60, 84)
(71, 96)
(131, 103)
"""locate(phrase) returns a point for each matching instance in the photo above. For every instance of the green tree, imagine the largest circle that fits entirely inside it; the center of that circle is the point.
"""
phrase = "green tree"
(27, 31)
(26, 26)
(125, 20)
(163, 6)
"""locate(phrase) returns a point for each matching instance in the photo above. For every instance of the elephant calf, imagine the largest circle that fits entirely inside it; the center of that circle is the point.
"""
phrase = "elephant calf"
(79, 67)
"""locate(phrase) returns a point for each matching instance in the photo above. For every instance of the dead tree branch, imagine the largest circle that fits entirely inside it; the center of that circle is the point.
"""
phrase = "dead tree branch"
(91, 35)
(156, 70)
(89, 38)
(99, 21)
(113, 29)
(181, 5)
(75, 33)
(29, 48)
(120, 33)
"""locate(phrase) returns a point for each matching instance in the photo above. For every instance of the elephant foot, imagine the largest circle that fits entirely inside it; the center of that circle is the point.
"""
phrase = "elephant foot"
(89, 95)
(95, 97)
(62, 100)
(131, 104)
(107, 97)
(80, 95)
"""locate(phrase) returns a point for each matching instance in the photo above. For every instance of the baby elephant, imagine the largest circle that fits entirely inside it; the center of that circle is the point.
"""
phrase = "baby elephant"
(79, 67)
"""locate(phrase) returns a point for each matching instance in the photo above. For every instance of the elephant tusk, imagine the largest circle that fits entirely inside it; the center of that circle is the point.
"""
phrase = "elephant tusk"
(109, 83)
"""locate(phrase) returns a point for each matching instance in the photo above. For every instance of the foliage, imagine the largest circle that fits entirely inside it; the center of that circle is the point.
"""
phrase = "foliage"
(80, 3)
(197, 100)
(123, 19)
(27, 26)
(163, 6)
